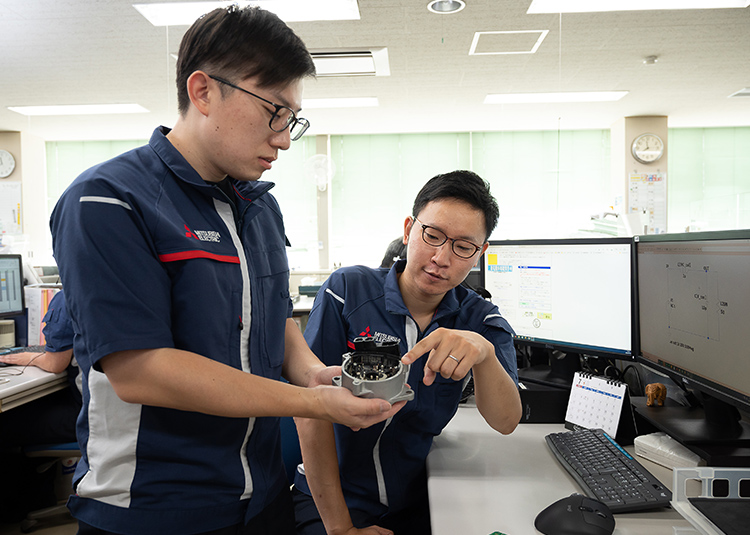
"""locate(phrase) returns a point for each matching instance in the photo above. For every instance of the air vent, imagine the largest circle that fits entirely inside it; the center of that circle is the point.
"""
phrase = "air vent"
(337, 63)
(741, 93)
(507, 42)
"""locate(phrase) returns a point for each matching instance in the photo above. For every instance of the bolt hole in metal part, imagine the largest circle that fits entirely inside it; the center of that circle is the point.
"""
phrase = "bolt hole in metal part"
(374, 370)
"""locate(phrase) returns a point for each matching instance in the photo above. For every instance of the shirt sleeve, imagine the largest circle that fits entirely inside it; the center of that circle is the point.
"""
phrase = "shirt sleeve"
(116, 290)
(498, 331)
(58, 329)
(326, 330)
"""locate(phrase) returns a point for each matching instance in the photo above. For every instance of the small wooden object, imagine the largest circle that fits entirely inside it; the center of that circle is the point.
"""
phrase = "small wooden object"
(656, 393)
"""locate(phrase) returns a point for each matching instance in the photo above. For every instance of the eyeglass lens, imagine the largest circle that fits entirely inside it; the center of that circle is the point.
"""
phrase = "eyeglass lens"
(436, 238)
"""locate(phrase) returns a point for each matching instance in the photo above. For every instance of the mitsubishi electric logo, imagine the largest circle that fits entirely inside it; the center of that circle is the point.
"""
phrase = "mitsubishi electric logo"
(203, 235)
(379, 337)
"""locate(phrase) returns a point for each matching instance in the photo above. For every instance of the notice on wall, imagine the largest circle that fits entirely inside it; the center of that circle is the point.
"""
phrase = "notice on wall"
(647, 193)
(10, 208)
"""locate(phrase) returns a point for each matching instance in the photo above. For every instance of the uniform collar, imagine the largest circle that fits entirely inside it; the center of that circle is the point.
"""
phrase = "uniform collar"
(394, 302)
(172, 158)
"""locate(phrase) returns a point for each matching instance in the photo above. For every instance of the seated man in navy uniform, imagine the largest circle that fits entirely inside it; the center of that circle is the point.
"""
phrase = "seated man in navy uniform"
(445, 332)
(48, 420)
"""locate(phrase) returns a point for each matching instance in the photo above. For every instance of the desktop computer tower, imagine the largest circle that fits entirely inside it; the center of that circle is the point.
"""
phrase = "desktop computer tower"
(543, 404)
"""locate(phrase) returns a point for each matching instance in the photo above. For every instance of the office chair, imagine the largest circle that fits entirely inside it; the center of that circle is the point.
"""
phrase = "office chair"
(65, 458)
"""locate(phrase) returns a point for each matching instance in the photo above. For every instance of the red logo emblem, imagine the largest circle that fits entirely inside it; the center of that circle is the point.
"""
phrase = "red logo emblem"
(190, 233)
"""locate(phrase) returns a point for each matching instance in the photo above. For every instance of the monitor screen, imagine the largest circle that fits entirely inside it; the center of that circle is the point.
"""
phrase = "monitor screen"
(11, 285)
(574, 295)
(694, 307)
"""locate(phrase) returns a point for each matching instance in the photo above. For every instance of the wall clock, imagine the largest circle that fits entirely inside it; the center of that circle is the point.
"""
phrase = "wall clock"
(7, 163)
(647, 148)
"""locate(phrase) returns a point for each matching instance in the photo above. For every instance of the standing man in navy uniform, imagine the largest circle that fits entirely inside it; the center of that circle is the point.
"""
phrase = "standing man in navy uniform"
(174, 265)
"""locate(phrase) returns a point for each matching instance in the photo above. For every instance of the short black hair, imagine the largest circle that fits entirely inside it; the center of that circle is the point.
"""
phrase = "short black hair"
(395, 250)
(461, 185)
(235, 44)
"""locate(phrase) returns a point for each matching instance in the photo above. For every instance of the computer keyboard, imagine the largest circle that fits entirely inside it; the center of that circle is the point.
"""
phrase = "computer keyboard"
(606, 472)
(29, 349)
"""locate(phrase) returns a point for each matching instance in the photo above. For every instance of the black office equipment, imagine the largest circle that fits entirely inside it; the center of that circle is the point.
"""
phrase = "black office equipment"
(694, 308)
(570, 297)
(575, 515)
(606, 472)
(29, 349)
(542, 404)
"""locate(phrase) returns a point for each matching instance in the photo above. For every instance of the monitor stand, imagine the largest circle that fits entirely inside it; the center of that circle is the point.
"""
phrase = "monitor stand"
(720, 444)
(558, 373)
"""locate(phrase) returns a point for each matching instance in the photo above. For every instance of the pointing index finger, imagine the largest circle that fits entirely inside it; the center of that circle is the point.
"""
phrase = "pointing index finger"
(422, 348)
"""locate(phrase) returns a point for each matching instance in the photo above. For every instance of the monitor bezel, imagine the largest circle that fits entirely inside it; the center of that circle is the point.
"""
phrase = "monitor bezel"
(15, 313)
(566, 347)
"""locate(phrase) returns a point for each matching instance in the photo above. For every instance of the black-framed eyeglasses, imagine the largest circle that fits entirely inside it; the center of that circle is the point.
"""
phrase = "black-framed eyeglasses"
(283, 116)
(434, 237)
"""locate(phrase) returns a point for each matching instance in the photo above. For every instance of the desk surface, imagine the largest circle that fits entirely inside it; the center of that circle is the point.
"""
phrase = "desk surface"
(303, 304)
(480, 481)
(33, 383)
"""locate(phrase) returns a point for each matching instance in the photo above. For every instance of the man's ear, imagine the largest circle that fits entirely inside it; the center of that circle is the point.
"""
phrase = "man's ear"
(407, 228)
(201, 90)
(481, 252)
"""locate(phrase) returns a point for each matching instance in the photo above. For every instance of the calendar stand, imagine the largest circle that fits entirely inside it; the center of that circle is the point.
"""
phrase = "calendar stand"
(598, 402)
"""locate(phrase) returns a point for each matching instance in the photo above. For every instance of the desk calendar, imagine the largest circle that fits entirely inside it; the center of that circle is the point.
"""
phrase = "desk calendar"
(596, 402)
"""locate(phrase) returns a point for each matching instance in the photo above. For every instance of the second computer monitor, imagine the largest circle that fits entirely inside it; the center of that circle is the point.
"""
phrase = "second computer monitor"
(574, 295)
(11, 285)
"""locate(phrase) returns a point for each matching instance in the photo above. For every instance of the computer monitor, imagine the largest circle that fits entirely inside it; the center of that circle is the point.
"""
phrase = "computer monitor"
(475, 279)
(694, 309)
(574, 295)
(11, 285)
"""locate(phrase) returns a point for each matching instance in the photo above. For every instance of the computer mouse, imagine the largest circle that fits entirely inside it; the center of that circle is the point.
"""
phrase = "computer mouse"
(575, 515)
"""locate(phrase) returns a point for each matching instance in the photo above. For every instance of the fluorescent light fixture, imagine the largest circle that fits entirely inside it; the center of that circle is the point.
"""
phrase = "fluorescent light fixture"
(373, 62)
(185, 13)
(79, 109)
(591, 6)
(353, 102)
(532, 50)
(545, 98)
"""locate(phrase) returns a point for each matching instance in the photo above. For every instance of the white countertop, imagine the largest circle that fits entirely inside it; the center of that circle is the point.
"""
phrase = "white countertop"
(480, 481)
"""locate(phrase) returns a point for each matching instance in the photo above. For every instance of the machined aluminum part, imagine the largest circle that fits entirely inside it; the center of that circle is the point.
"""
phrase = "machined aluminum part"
(374, 374)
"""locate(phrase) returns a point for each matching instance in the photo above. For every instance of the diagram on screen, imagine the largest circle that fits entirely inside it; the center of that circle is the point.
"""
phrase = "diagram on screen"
(695, 303)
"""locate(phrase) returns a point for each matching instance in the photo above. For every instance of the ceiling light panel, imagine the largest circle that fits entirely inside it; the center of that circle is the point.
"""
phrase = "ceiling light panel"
(353, 102)
(185, 13)
(82, 109)
(546, 98)
(507, 42)
(591, 6)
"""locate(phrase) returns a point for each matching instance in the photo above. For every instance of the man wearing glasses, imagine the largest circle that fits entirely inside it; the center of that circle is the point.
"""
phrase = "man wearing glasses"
(444, 331)
(174, 266)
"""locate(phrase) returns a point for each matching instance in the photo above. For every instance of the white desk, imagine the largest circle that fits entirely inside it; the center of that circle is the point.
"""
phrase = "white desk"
(32, 384)
(302, 310)
(480, 481)
(303, 304)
